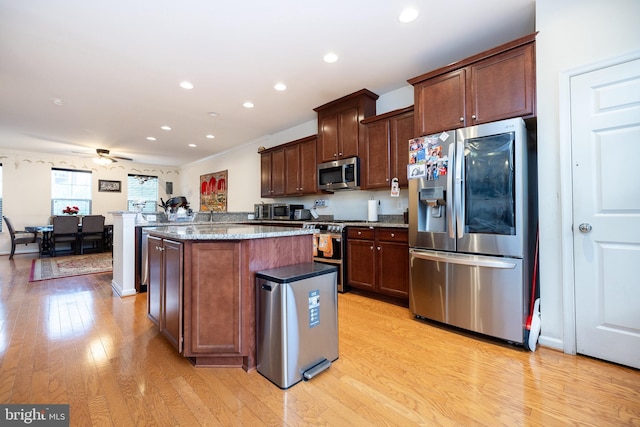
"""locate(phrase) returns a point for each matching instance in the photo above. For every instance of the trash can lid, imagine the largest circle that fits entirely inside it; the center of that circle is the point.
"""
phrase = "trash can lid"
(295, 272)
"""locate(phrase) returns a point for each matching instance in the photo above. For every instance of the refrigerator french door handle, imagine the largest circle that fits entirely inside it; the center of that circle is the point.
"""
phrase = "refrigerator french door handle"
(442, 257)
(451, 221)
(459, 188)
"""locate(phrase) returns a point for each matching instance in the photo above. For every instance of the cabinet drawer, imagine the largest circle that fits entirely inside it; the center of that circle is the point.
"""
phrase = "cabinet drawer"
(360, 233)
(392, 234)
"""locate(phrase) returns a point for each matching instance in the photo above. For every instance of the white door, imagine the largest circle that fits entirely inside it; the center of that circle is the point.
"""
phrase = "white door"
(605, 128)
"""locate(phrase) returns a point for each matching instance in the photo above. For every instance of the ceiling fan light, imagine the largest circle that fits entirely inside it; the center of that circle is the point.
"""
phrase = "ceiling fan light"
(102, 160)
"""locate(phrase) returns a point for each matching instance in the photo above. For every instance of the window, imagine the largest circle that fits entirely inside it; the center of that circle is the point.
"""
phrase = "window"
(1, 222)
(142, 188)
(70, 188)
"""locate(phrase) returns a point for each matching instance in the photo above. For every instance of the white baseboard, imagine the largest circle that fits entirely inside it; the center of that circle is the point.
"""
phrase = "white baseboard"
(553, 343)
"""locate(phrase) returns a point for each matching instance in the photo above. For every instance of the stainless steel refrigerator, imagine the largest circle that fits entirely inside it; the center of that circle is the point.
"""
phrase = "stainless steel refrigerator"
(471, 222)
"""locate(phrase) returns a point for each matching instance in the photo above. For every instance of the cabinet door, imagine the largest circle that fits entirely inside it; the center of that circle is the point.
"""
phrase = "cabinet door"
(308, 174)
(265, 175)
(277, 172)
(328, 137)
(292, 175)
(375, 173)
(154, 290)
(348, 132)
(361, 264)
(172, 301)
(440, 103)
(393, 268)
(272, 173)
(214, 325)
(502, 86)
(401, 130)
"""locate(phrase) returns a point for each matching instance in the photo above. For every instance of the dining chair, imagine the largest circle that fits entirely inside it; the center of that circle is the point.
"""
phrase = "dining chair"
(92, 231)
(22, 237)
(65, 230)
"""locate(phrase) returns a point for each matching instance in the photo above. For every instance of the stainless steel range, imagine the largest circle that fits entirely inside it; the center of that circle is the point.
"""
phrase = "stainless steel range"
(329, 247)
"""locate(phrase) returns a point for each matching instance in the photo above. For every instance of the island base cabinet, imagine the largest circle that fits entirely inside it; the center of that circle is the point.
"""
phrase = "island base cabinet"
(214, 301)
(164, 294)
(220, 295)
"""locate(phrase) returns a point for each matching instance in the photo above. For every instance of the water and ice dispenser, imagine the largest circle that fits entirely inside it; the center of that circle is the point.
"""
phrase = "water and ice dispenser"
(432, 208)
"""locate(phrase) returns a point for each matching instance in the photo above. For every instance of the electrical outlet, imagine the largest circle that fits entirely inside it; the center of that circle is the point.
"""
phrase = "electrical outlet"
(321, 203)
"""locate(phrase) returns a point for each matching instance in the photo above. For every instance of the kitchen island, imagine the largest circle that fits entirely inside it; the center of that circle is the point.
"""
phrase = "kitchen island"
(201, 290)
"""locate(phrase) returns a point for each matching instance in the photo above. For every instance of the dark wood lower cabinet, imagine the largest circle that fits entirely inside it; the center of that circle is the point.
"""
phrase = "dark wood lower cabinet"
(378, 262)
(201, 293)
(164, 295)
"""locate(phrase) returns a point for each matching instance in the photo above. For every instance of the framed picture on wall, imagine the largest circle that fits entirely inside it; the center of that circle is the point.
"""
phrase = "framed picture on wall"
(109, 186)
(213, 192)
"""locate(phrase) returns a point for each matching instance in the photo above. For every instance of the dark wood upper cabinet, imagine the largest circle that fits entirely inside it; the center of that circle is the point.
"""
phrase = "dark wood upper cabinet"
(289, 169)
(272, 172)
(493, 85)
(340, 131)
(300, 161)
(386, 152)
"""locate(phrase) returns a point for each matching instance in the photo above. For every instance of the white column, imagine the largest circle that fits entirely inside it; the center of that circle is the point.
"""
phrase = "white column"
(123, 282)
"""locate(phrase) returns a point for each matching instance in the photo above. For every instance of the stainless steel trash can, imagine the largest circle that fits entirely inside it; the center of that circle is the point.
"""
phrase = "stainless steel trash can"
(297, 322)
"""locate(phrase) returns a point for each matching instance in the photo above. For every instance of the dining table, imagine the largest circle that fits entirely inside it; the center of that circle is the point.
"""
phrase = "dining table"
(46, 230)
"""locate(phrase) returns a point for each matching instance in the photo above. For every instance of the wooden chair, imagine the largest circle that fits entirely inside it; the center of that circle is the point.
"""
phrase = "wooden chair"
(92, 231)
(65, 230)
(22, 237)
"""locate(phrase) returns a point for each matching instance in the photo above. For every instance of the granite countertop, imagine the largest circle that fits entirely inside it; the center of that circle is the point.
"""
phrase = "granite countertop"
(258, 222)
(221, 231)
(345, 223)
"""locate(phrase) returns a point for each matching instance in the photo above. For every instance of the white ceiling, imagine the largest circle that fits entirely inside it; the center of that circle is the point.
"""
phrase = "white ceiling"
(117, 65)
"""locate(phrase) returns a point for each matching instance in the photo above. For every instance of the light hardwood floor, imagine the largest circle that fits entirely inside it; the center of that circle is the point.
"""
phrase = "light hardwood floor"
(72, 341)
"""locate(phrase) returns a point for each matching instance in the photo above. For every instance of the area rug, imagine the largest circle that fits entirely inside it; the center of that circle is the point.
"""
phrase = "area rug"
(67, 266)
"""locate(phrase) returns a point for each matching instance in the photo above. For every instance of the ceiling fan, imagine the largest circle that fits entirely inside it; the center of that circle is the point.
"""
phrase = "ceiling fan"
(104, 158)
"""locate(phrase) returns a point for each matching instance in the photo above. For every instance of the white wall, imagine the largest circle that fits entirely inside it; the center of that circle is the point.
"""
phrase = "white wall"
(243, 166)
(26, 189)
(572, 33)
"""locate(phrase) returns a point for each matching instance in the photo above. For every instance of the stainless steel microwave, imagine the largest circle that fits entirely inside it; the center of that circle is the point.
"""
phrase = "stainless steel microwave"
(341, 174)
(283, 211)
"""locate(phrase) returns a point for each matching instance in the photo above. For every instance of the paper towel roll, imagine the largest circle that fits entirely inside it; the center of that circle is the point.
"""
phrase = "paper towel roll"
(372, 213)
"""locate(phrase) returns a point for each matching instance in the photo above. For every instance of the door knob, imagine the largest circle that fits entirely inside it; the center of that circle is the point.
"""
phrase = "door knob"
(584, 227)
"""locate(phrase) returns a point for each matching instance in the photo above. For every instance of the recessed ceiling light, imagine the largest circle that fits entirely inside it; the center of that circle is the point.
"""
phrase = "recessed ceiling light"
(186, 85)
(330, 58)
(192, 145)
(408, 15)
(57, 101)
(213, 114)
(151, 138)
(248, 104)
(165, 127)
(280, 86)
(210, 136)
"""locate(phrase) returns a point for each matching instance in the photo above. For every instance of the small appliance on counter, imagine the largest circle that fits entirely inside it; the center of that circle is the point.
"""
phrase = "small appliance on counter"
(301, 214)
(262, 211)
(282, 211)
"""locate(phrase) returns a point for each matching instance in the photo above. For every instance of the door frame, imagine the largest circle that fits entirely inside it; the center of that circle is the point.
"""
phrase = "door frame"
(566, 187)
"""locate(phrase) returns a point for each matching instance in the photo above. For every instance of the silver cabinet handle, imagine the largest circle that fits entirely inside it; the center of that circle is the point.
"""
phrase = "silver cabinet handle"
(462, 119)
(379, 248)
(393, 234)
(473, 116)
(584, 227)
